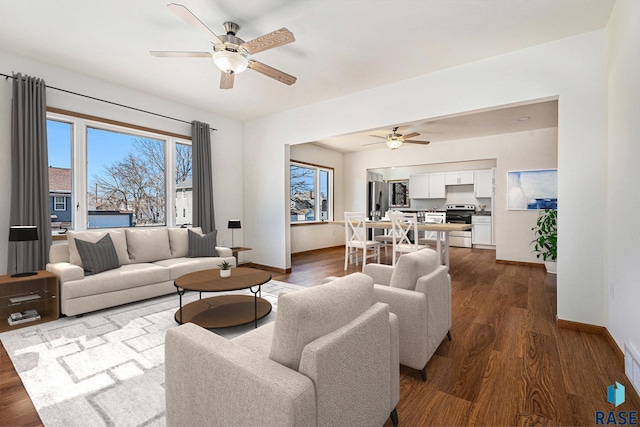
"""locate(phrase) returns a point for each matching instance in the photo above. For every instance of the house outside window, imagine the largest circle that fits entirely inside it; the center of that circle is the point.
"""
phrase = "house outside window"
(311, 193)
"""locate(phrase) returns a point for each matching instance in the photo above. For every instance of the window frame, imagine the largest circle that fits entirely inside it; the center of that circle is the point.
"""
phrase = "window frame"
(317, 201)
(79, 174)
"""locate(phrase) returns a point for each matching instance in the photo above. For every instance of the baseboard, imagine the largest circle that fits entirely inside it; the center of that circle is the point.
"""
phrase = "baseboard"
(267, 268)
(521, 263)
(315, 251)
(592, 329)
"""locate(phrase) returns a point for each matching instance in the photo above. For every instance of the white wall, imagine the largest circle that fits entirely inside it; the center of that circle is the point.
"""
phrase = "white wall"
(623, 198)
(571, 69)
(513, 151)
(314, 236)
(227, 142)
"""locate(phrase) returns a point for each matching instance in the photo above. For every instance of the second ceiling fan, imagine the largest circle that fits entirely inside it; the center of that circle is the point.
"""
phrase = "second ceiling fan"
(394, 140)
(230, 53)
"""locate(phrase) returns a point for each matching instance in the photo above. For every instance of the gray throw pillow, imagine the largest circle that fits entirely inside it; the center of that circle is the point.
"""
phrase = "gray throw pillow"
(200, 246)
(99, 256)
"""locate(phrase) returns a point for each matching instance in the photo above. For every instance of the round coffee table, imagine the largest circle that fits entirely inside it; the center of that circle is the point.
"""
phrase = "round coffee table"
(224, 310)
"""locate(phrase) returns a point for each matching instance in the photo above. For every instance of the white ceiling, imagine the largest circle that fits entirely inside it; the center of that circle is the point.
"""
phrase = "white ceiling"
(341, 47)
(497, 121)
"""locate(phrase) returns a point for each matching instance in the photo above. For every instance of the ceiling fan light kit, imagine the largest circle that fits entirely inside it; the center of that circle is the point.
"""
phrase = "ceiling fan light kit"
(394, 142)
(230, 62)
(230, 53)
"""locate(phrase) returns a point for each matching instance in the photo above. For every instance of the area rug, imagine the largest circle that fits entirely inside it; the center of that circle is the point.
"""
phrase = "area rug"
(106, 368)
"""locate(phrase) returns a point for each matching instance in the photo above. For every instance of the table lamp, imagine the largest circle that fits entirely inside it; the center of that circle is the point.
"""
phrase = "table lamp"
(233, 224)
(22, 233)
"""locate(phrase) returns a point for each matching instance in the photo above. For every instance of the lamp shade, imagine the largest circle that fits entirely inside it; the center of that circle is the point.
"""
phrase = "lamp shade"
(230, 62)
(394, 142)
(23, 233)
(234, 223)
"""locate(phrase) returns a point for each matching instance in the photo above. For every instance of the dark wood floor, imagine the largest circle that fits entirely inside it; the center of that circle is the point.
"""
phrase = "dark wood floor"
(508, 364)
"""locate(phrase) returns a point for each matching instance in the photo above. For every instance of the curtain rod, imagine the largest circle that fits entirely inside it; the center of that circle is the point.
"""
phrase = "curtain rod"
(7, 77)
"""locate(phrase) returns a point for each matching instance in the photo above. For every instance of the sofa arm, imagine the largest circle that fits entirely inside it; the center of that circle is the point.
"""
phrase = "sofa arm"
(209, 379)
(350, 368)
(65, 272)
(380, 273)
(436, 286)
(411, 309)
(224, 252)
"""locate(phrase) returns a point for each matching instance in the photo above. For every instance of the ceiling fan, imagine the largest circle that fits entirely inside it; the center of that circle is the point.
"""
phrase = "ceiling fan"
(230, 53)
(394, 140)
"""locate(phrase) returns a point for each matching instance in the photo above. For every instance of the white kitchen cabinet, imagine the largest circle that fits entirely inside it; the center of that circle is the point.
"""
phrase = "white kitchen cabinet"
(436, 186)
(427, 186)
(419, 186)
(481, 233)
(458, 178)
(483, 183)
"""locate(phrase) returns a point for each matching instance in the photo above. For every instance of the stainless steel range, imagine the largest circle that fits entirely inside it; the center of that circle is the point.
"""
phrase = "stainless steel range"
(460, 214)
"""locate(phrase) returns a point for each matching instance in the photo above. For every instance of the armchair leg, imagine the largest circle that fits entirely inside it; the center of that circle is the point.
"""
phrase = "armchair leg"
(394, 417)
(423, 373)
(449, 335)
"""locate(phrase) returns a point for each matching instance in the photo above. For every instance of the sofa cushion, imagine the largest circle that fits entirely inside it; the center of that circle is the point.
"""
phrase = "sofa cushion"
(179, 241)
(148, 245)
(124, 277)
(308, 314)
(181, 266)
(117, 237)
(412, 266)
(202, 246)
(97, 257)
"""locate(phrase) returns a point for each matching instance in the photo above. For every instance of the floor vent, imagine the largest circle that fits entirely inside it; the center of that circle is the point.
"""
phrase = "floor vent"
(632, 366)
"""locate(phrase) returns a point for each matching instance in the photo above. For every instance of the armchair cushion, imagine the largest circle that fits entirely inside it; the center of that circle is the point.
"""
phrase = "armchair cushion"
(410, 267)
(308, 314)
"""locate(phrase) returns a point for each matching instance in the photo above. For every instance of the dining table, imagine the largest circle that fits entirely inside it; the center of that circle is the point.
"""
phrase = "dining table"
(442, 233)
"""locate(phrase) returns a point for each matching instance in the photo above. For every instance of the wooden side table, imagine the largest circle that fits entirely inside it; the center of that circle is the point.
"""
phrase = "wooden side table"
(239, 249)
(38, 292)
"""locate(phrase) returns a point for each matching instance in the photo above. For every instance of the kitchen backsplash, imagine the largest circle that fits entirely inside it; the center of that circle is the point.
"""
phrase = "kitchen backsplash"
(456, 195)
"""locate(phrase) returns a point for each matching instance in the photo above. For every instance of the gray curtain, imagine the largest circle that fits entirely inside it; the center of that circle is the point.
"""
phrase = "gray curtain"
(29, 173)
(202, 177)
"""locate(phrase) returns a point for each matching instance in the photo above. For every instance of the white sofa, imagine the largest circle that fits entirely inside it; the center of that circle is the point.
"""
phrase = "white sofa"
(150, 260)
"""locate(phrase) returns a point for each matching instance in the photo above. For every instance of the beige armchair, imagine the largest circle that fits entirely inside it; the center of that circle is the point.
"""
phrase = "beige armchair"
(330, 358)
(418, 291)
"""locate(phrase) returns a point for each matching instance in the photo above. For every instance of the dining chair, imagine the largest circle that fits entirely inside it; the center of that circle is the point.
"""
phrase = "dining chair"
(431, 236)
(385, 239)
(356, 238)
(404, 227)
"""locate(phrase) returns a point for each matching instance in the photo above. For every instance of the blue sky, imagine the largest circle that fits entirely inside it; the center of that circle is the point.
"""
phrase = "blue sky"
(104, 148)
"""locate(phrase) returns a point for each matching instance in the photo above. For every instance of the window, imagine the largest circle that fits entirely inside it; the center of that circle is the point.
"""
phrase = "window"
(59, 203)
(59, 146)
(311, 189)
(119, 175)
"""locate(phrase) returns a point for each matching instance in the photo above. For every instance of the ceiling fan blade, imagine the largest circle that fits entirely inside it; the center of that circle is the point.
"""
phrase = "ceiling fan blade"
(188, 17)
(411, 135)
(179, 54)
(373, 143)
(268, 71)
(417, 142)
(269, 41)
(378, 136)
(226, 80)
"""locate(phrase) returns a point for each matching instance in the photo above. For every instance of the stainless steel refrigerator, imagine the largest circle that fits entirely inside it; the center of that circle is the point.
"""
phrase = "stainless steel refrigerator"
(377, 199)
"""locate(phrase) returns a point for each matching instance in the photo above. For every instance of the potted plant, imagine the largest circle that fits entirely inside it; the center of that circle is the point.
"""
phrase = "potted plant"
(546, 241)
(225, 269)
